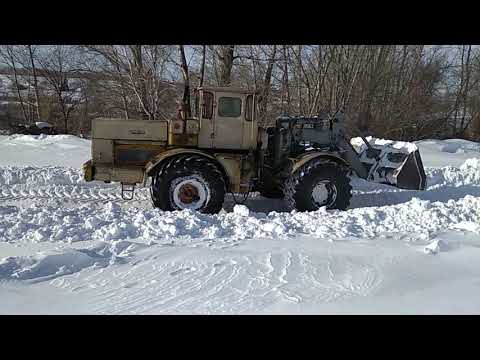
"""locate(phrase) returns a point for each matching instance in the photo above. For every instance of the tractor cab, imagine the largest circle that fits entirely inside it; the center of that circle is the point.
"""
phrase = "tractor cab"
(226, 118)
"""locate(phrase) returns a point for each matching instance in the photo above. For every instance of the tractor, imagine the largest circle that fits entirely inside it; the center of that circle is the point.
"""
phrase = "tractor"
(193, 162)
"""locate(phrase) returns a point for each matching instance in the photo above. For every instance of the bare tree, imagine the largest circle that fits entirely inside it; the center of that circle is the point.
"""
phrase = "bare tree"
(58, 65)
(202, 67)
(31, 56)
(265, 88)
(141, 72)
(225, 54)
(186, 106)
(8, 55)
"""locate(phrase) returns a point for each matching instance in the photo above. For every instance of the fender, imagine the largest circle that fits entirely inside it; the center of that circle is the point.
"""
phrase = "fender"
(305, 158)
(157, 160)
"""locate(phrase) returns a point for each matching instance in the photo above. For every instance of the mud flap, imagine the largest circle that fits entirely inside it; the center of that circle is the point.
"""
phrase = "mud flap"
(393, 163)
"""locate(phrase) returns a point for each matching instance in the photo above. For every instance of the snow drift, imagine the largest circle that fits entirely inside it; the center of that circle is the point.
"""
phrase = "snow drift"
(73, 247)
(417, 217)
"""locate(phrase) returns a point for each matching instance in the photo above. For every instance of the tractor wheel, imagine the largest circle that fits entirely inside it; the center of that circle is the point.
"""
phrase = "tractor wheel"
(188, 182)
(318, 183)
(271, 193)
(267, 187)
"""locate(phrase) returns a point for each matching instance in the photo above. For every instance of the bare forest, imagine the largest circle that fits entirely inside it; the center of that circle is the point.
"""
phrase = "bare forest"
(401, 92)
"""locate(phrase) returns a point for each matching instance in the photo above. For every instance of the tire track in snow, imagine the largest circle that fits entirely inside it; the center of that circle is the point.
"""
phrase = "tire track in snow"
(68, 193)
(242, 284)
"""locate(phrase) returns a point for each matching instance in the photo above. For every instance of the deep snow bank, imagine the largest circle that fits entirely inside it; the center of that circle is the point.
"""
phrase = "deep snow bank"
(416, 217)
(44, 150)
(452, 152)
(467, 174)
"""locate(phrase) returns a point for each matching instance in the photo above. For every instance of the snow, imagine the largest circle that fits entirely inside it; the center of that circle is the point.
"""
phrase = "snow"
(39, 223)
(452, 152)
(399, 145)
(43, 150)
(67, 246)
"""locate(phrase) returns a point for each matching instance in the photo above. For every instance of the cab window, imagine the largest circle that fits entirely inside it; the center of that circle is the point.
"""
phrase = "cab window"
(207, 110)
(249, 108)
(229, 107)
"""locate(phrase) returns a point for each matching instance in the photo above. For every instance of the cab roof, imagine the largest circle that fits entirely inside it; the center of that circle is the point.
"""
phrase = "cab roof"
(227, 89)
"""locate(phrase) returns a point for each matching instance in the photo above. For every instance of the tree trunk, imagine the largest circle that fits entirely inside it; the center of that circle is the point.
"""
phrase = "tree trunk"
(186, 107)
(285, 90)
(139, 81)
(35, 83)
(263, 101)
(464, 124)
(299, 75)
(226, 56)
(11, 61)
(202, 67)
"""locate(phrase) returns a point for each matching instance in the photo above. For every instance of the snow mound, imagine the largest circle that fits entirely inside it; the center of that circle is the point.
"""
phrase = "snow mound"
(452, 152)
(241, 210)
(399, 145)
(467, 174)
(458, 146)
(43, 139)
(44, 150)
(420, 218)
(48, 265)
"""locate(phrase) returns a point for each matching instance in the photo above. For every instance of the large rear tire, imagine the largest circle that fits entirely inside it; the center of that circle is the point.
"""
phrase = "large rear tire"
(271, 193)
(188, 182)
(317, 184)
(269, 188)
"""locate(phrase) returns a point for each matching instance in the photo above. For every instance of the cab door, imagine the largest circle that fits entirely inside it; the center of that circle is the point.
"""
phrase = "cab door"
(205, 109)
(229, 121)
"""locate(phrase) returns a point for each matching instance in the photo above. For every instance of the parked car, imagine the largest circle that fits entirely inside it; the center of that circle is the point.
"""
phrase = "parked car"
(38, 128)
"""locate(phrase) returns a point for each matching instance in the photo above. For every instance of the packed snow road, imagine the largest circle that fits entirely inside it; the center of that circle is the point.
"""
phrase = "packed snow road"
(67, 246)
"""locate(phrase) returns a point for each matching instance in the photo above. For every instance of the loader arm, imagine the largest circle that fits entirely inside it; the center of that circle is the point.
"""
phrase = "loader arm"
(349, 154)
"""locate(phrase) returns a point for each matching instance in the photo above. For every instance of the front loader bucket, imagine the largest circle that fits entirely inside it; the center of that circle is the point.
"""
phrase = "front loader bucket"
(411, 175)
(394, 163)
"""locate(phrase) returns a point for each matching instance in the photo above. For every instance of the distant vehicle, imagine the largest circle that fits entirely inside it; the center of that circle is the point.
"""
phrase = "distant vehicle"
(40, 127)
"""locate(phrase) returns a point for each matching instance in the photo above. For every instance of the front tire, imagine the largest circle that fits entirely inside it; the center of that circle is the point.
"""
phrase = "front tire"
(188, 182)
(319, 183)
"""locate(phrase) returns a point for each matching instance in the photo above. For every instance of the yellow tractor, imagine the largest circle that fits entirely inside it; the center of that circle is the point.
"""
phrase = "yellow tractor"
(191, 163)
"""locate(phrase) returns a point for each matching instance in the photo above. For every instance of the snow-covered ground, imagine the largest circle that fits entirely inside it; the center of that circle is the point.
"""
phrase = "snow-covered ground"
(67, 246)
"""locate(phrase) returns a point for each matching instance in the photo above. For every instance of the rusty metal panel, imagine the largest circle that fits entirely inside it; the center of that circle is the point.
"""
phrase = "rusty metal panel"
(250, 134)
(102, 151)
(120, 129)
(136, 154)
(232, 165)
(193, 127)
(128, 175)
(182, 139)
(88, 171)
(205, 134)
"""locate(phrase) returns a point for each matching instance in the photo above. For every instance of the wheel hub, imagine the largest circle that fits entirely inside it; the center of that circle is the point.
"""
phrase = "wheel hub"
(188, 193)
(324, 193)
